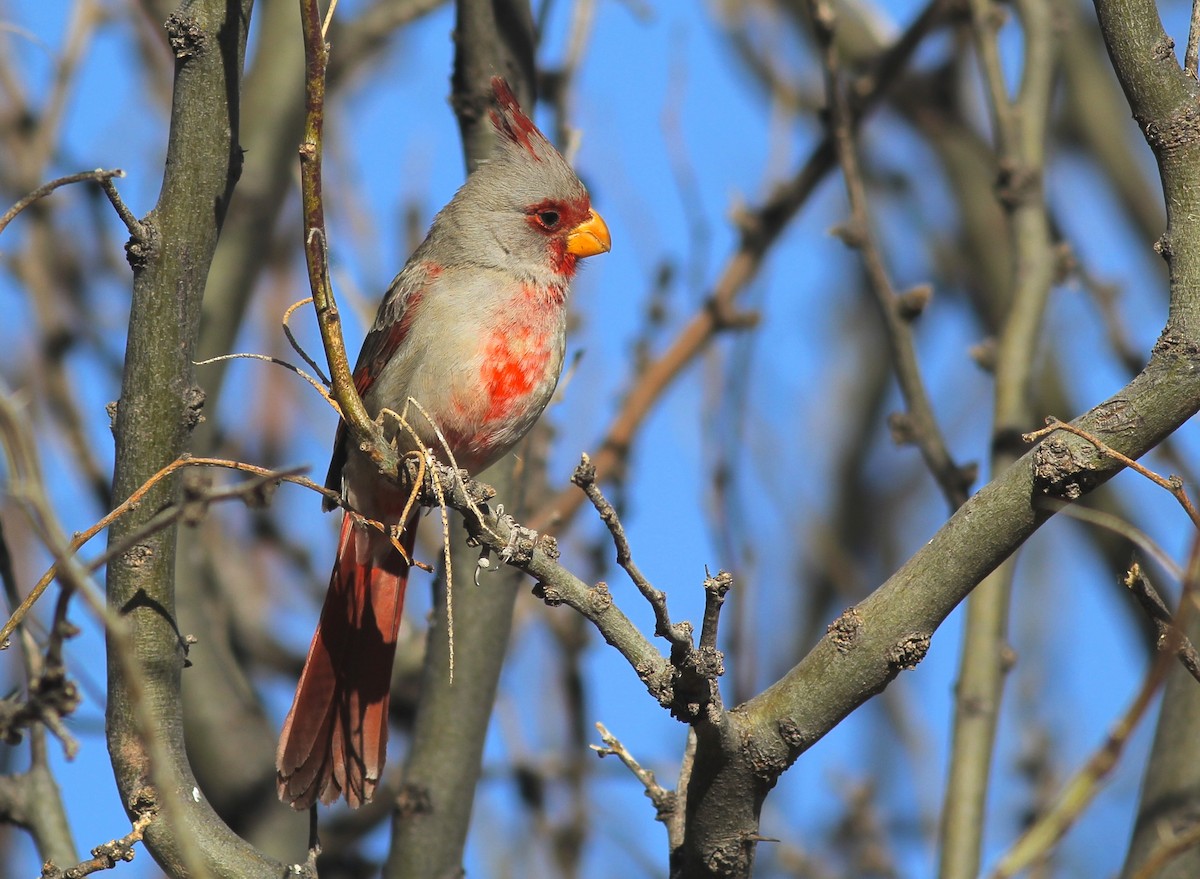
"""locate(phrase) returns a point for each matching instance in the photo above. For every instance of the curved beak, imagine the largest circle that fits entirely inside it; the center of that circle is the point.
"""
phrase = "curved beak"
(589, 237)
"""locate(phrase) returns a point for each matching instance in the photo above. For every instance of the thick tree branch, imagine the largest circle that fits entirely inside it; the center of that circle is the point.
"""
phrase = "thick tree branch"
(159, 406)
(1163, 98)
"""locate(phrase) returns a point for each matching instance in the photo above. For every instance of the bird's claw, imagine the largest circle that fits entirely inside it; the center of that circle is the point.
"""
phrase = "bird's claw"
(518, 549)
(521, 544)
(484, 563)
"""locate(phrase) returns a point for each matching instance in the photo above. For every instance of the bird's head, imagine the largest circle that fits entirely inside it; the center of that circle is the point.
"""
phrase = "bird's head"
(524, 208)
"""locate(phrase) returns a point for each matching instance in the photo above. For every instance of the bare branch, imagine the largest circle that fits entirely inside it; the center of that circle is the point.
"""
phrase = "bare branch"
(665, 801)
(1037, 841)
(98, 176)
(678, 634)
(1170, 484)
(108, 855)
(1170, 634)
(365, 432)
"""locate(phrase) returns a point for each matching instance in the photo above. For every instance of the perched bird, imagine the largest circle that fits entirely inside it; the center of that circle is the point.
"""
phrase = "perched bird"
(473, 330)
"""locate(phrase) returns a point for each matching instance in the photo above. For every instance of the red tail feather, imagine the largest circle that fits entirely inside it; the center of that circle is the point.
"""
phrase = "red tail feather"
(334, 740)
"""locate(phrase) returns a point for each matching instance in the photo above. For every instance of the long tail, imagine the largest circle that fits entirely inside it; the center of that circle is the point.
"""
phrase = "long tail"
(334, 740)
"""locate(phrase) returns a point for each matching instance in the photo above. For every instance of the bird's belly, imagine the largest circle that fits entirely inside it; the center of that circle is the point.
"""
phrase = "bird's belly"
(502, 382)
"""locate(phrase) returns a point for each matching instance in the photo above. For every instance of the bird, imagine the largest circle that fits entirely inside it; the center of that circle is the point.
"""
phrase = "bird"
(470, 336)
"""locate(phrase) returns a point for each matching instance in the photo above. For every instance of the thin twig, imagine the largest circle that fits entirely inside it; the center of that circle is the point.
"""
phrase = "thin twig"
(715, 589)
(132, 501)
(106, 856)
(97, 176)
(1171, 483)
(585, 477)
(278, 362)
(557, 585)
(191, 509)
(1035, 843)
(287, 331)
(664, 800)
(328, 18)
(898, 312)
(135, 226)
(1170, 635)
(363, 430)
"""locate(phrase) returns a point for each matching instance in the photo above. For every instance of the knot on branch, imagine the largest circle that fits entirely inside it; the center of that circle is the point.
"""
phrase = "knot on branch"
(1174, 344)
(1117, 417)
(659, 678)
(550, 595)
(767, 755)
(521, 544)
(193, 403)
(1059, 470)
(911, 304)
(1164, 49)
(599, 598)
(730, 858)
(138, 555)
(851, 233)
(846, 630)
(142, 246)
(1179, 129)
(52, 696)
(901, 427)
(413, 800)
(185, 36)
(709, 662)
(794, 738)
(909, 651)
(548, 544)
(1017, 185)
(984, 353)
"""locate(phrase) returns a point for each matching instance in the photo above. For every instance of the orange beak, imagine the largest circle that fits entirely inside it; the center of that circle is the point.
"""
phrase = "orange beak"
(589, 237)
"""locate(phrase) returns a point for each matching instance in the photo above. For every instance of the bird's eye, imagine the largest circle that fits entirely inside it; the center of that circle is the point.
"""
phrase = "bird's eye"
(549, 219)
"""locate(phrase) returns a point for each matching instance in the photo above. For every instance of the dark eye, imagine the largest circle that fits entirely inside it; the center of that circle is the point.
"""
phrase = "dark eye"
(549, 219)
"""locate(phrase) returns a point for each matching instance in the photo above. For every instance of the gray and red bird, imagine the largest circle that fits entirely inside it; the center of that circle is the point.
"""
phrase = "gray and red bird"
(473, 329)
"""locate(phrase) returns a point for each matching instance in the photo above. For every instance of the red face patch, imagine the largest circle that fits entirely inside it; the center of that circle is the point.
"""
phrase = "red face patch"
(555, 219)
